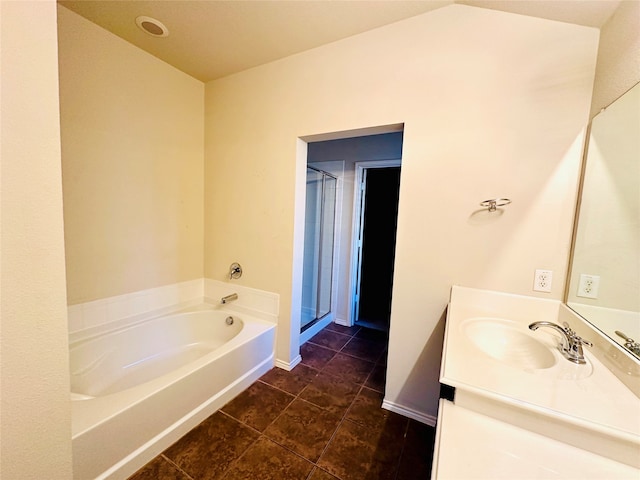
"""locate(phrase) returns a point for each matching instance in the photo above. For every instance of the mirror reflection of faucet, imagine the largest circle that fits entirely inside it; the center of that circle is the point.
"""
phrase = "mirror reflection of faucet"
(571, 347)
(629, 343)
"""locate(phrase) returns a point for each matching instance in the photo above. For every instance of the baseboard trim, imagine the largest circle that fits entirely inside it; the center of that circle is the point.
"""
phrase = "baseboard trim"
(342, 321)
(410, 413)
(288, 366)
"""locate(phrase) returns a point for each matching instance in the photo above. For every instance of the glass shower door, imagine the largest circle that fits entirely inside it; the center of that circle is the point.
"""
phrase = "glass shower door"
(318, 246)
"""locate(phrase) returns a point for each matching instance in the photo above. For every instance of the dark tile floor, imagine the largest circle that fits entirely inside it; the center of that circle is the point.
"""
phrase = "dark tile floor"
(321, 421)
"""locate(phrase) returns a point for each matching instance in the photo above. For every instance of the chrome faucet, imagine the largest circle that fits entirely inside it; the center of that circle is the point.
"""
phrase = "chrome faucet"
(228, 298)
(571, 347)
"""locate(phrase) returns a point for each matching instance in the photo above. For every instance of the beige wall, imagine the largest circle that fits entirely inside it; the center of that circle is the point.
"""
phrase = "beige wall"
(35, 415)
(618, 67)
(493, 105)
(132, 161)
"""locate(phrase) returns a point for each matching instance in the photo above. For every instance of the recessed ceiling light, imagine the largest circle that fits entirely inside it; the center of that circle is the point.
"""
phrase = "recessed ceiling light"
(152, 26)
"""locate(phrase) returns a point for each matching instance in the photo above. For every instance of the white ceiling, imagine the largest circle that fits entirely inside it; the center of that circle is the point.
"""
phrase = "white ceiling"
(210, 39)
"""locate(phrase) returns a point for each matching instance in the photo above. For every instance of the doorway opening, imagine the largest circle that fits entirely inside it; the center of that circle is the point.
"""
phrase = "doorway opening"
(336, 154)
(374, 241)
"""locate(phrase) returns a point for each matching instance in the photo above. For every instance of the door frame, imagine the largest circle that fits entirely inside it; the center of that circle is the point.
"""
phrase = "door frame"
(359, 190)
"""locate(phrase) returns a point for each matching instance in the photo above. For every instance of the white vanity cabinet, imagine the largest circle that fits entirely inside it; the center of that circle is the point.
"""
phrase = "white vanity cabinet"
(471, 445)
(519, 409)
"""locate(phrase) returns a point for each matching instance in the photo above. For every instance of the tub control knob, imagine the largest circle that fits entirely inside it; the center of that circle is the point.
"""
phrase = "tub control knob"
(235, 271)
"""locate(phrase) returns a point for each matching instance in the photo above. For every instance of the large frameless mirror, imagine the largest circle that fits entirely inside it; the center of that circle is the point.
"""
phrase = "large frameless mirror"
(604, 283)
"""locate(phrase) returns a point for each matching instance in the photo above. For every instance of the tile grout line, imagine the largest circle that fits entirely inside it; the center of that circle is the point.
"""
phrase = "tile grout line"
(361, 387)
(260, 435)
(404, 445)
(375, 362)
(171, 462)
(240, 422)
(233, 462)
(342, 420)
(346, 412)
(298, 397)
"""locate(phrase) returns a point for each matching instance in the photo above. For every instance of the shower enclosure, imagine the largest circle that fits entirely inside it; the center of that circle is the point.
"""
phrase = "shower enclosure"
(318, 246)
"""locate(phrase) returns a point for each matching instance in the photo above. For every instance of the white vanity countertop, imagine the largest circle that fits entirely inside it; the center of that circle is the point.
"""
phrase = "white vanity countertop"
(582, 405)
(599, 397)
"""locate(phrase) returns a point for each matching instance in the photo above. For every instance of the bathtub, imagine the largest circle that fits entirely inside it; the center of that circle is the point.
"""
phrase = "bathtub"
(140, 385)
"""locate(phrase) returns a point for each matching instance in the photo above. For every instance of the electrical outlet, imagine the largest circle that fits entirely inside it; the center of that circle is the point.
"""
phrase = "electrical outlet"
(588, 286)
(542, 281)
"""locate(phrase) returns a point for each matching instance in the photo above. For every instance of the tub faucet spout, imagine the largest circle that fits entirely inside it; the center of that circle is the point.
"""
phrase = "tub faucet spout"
(571, 347)
(228, 298)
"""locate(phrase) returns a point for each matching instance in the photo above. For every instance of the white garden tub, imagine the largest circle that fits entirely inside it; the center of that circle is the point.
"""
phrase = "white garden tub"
(140, 386)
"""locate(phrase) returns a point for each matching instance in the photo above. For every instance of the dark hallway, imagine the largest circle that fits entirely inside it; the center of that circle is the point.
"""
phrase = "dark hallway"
(379, 241)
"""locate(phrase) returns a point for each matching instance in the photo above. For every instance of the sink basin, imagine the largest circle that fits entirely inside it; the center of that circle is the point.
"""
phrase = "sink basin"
(508, 343)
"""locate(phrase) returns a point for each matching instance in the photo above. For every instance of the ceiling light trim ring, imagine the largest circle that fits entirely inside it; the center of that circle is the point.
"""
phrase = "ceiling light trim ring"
(152, 26)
